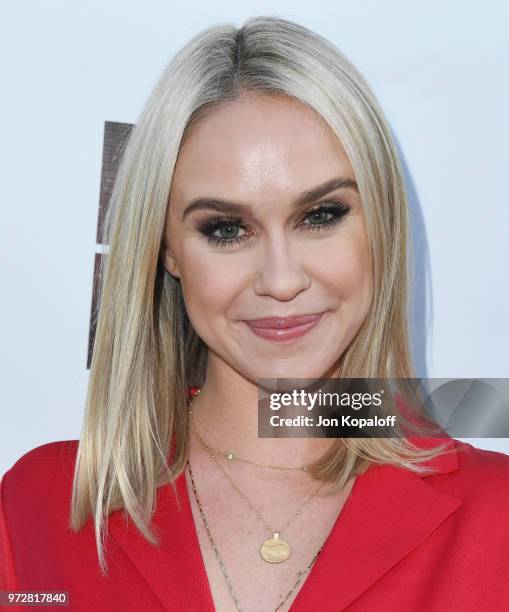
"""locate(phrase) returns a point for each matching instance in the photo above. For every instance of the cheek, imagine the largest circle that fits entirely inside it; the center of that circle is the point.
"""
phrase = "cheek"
(206, 287)
(348, 272)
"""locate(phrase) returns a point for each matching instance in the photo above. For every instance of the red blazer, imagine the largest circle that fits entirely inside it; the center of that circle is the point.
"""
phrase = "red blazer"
(402, 542)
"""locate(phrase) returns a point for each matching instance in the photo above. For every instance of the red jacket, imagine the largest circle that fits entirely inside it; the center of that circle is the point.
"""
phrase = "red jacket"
(402, 542)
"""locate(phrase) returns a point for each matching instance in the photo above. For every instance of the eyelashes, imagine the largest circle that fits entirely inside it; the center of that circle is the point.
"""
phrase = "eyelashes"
(319, 219)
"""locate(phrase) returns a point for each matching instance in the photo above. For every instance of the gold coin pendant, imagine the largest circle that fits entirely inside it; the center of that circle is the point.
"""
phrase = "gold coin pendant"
(275, 550)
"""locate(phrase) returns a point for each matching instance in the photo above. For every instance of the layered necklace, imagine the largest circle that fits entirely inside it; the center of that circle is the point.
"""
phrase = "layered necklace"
(273, 549)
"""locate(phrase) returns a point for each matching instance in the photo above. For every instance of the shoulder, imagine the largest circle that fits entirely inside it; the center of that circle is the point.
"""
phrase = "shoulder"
(40, 477)
(44, 460)
(492, 466)
(481, 480)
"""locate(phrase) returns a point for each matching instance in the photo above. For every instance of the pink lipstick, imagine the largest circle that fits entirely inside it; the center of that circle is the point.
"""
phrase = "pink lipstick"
(286, 328)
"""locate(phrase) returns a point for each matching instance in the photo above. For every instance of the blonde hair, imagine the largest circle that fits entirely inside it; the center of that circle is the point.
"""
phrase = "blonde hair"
(146, 352)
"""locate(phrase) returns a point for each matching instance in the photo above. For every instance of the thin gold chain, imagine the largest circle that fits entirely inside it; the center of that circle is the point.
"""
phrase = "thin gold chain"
(236, 486)
(300, 573)
(232, 457)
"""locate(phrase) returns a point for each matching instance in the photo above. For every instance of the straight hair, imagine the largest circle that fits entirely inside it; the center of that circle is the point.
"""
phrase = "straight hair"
(135, 435)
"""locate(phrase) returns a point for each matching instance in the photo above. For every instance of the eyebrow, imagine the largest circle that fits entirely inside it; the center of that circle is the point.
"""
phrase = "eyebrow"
(309, 196)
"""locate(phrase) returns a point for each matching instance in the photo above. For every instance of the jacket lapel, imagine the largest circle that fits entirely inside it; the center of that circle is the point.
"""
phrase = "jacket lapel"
(175, 570)
(390, 512)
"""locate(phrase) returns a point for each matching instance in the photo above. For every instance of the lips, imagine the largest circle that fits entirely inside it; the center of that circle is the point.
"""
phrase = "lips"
(280, 329)
(283, 323)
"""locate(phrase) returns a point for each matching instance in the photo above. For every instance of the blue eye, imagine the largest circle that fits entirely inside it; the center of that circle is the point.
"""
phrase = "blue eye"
(223, 231)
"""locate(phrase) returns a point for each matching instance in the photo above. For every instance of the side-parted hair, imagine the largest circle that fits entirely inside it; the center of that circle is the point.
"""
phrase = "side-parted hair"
(146, 353)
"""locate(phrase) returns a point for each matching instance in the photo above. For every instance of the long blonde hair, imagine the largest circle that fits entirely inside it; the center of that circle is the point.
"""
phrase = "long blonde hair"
(146, 352)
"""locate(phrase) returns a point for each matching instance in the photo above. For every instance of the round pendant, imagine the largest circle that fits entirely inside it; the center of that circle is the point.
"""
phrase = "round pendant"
(275, 550)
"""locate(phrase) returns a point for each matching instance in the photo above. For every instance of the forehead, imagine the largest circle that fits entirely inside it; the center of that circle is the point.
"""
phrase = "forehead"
(258, 145)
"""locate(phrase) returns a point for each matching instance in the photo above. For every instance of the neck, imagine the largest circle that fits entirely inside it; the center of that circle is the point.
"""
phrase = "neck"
(226, 417)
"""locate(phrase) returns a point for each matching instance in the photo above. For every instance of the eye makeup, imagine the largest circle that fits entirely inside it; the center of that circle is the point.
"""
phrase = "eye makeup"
(320, 218)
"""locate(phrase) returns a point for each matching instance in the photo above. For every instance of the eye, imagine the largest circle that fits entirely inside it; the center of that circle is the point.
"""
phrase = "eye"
(224, 231)
(323, 217)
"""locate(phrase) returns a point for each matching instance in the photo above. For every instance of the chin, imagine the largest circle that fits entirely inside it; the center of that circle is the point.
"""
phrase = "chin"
(299, 372)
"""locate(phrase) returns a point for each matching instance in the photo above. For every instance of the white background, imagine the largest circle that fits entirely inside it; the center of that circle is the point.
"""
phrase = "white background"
(440, 71)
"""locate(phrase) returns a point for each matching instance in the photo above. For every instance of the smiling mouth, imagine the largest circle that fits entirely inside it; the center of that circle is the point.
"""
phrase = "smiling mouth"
(279, 329)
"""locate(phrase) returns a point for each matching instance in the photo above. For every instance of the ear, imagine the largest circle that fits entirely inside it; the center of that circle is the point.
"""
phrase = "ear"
(169, 261)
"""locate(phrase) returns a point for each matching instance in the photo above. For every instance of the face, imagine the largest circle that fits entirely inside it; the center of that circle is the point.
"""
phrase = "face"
(265, 221)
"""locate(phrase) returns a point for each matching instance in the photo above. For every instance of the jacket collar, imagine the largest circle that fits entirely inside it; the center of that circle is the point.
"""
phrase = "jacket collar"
(390, 512)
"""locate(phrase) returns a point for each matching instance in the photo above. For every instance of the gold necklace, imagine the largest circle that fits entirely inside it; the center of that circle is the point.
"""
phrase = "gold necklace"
(300, 573)
(274, 549)
(231, 456)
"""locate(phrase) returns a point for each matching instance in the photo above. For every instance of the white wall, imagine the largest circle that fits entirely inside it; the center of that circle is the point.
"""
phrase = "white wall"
(440, 70)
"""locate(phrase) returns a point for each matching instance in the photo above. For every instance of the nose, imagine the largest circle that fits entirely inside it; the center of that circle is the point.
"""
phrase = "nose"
(280, 274)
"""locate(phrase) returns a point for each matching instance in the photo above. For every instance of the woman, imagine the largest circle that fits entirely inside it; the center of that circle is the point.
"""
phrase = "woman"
(257, 229)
